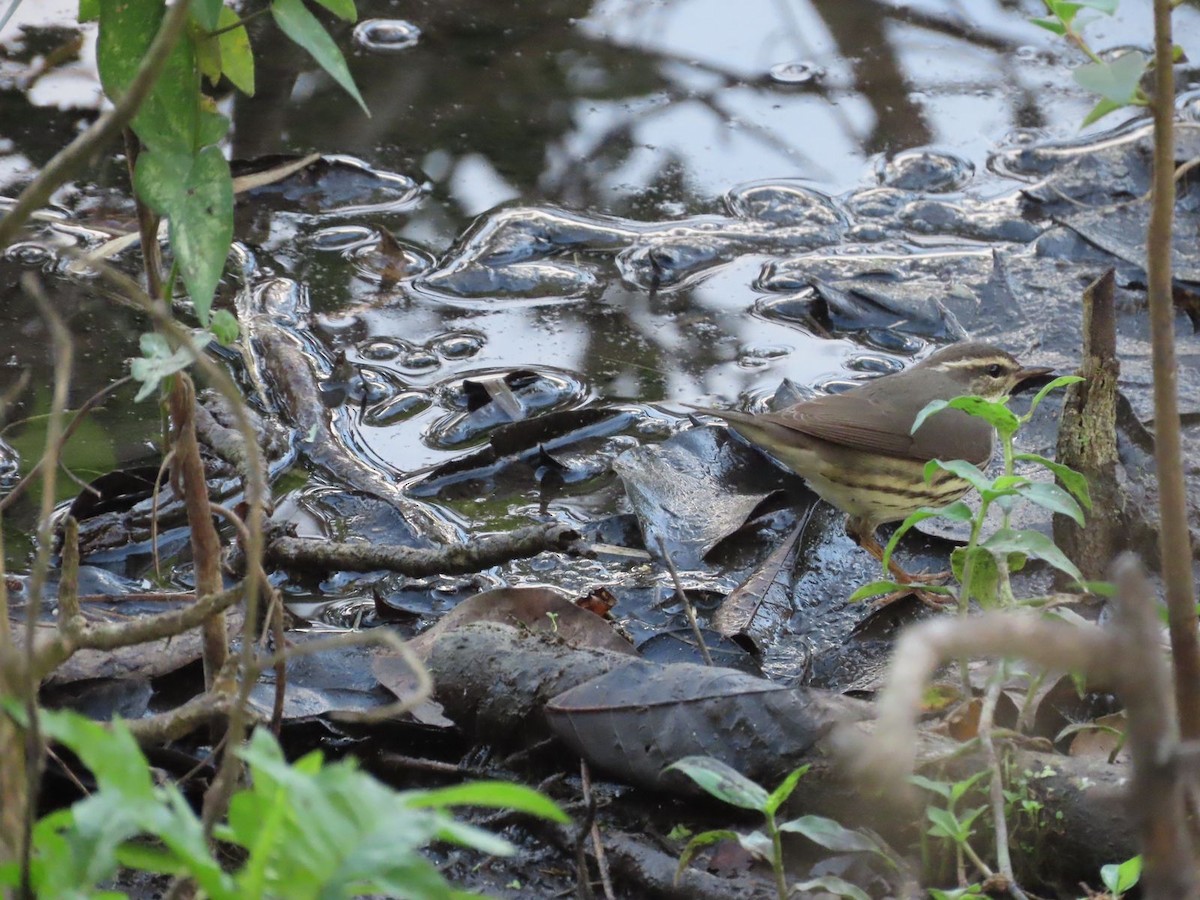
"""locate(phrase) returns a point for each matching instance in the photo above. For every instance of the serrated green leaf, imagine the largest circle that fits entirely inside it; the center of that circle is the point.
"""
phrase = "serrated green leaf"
(723, 782)
(343, 9)
(302, 27)
(1032, 543)
(1116, 81)
(195, 194)
(1052, 497)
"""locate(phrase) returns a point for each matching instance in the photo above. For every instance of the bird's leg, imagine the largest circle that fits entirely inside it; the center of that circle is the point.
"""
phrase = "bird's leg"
(863, 534)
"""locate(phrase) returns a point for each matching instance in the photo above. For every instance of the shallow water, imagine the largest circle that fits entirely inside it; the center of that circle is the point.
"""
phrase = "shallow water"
(610, 205)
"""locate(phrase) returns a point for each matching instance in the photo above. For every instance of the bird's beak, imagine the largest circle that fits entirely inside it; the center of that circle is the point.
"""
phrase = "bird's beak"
(1031, 377)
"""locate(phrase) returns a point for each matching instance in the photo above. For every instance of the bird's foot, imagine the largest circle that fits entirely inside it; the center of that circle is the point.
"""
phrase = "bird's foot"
(931, 599)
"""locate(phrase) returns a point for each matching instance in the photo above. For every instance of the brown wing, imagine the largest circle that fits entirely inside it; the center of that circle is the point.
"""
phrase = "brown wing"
(864, 420)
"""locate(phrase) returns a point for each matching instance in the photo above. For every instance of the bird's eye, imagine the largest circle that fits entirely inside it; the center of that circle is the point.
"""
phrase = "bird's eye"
(995, 370)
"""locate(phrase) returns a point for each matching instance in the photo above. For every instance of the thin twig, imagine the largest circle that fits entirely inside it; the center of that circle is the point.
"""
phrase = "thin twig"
(687, 604)
(63, 357)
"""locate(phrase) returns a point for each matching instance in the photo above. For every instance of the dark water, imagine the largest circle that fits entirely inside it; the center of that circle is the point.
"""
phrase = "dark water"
(628, 201)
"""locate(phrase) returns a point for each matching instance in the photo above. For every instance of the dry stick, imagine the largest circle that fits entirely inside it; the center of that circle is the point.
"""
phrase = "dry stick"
(91, 403)
(987, 715)
(206, 544)
(481, 553)
(68, 580)
(583, 879)
(75, 156)
(274, 618)
(687, 604)
(889, 758)
(585, 777)
(256, 492)
(166, 463)
(1169, 866)
(1174, 542)
(28, 684)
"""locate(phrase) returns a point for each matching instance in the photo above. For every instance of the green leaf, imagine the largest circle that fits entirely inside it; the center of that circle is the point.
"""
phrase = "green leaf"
(958, 511)
(959, 789)
(1052, 25)
(157, 362)
(493, 794)
(89, 10)
(1099, 588)
(1117, 81)
(1060, 381)
(206, 13)
(779, 796)
(1052, 497)
(875, 589)
(302, 27)
(963, 469)
(938, 787)
(237, 56)
(167, 119)
(832, 835)
(723, 782)
(112, 755)
(985, 574)
(343, 9)
(833, 885)
(699, 842)
(994, 413)
(224, 327)
(195, 193)
(933, 406)
(1073, 481)
(1032, 543)
(1119, 878)
(1102, 108)
(945, 824)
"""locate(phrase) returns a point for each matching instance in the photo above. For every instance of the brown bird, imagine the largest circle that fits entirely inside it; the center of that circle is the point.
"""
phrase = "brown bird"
(856, 449)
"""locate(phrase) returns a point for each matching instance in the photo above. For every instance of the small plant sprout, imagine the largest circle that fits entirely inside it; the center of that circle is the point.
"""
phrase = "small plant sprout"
(730, 786)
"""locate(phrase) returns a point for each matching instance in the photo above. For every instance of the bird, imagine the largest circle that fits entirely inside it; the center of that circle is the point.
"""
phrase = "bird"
(857, 449)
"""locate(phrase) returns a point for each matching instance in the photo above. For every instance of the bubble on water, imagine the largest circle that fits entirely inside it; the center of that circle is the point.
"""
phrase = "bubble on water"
(926, 170)
(386, 35)
(340, 237)
(796, 72)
